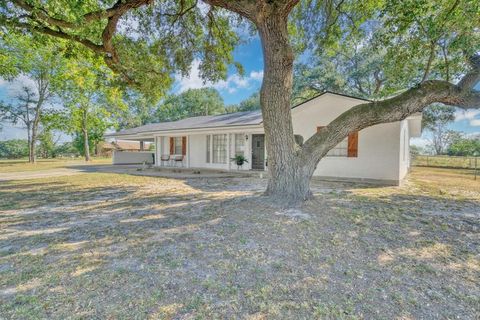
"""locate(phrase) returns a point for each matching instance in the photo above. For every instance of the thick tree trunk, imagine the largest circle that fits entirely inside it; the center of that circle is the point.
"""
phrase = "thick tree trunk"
(32, 158)
(86, 146)
(289, 177)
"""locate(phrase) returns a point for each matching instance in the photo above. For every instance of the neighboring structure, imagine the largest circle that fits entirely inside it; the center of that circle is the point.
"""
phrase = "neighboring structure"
(106, 149)
(380, 152)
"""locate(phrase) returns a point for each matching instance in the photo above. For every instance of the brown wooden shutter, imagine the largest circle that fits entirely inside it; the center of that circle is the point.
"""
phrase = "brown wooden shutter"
(353, 145)
(172, 145)
(184, 145)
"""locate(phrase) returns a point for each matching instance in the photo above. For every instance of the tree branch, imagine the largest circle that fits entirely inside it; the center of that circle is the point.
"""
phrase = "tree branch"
(119, 8)
(244, 8)
(426, 73)
(414, 100)
(55, 33)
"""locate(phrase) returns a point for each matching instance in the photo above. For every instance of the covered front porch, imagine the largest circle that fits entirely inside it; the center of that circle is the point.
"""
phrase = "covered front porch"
(212, 149)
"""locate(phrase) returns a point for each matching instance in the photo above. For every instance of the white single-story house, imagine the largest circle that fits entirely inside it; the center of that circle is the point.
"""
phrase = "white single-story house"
(378, 153)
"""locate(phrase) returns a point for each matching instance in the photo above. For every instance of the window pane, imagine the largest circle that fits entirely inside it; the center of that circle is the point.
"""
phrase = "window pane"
(340, 150)
(219, 148)
(239, 144)
(208, 148)
(178, 145)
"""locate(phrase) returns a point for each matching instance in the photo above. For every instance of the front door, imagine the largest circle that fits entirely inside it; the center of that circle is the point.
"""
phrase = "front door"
(258, 152)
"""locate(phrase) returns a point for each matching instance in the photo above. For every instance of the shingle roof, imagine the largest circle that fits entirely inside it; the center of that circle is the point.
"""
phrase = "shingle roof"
(221, 120)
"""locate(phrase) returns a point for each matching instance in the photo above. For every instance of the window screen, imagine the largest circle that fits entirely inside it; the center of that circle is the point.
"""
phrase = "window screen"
(239, 144)
(340, 150)
(219, 148)
(178, 145)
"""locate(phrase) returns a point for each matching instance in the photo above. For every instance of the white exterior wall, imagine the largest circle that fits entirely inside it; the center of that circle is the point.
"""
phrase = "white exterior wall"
(383, 150)
(404, 159)
(378, 146)
(130, 157)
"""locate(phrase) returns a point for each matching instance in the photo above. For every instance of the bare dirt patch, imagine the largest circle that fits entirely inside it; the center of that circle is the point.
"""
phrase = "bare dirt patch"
(119, 246)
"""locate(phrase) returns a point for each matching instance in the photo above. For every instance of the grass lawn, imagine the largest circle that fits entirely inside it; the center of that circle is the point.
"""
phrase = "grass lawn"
(46, 164)
(113, 246)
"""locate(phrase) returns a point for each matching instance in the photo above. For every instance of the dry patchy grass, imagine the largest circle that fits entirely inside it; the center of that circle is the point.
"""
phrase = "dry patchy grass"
(46, 164)
(118, 246)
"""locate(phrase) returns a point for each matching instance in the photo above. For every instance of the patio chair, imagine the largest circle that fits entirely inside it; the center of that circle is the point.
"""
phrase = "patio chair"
(178, 159)
(165, 158)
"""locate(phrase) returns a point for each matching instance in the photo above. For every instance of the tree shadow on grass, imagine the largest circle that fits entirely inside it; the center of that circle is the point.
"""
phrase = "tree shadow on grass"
(217, 246)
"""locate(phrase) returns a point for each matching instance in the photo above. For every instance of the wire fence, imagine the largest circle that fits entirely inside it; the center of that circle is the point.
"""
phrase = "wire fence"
(446, 162)
(471, 163)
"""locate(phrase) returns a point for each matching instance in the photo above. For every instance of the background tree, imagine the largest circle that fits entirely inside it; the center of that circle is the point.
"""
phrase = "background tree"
(431, 56)
(13, 149)
(35, 61)
(352, 68)
(191, 103)
(140, 110)
(90, 101)
(436, 119)
(27, 110)
(416, 150)
(251, 103)
(465, 146)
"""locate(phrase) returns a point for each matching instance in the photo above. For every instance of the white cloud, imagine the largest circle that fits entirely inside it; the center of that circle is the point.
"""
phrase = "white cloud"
(233, 83)
(15, 86)
(475, 123)
(466, 114)
(419, 142)
(257, 75)
(473, 135)
(193, 81)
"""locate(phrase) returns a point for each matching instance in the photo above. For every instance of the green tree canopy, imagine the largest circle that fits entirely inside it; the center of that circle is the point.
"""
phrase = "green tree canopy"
(463, 146)
(376, 48)
(191, 103)
(13, 149)
(143, 41)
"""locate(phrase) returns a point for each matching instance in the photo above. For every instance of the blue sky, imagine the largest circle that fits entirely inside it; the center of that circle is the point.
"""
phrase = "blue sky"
(235, 89)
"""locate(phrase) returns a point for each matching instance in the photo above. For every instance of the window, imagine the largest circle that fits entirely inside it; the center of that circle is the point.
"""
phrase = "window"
(239, 144)
(340, 150)
(178, 145)
(219, 148)
(208, 148)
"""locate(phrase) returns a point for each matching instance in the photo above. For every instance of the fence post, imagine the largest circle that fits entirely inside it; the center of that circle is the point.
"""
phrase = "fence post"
(475, 172)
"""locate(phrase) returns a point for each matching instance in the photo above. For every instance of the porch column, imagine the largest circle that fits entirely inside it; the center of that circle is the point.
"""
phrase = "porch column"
(157, 151)
(142, 145)
(188, 151)
(228, 151)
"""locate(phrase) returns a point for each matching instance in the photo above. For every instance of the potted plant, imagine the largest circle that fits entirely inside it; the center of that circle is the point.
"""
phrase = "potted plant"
(239, 160)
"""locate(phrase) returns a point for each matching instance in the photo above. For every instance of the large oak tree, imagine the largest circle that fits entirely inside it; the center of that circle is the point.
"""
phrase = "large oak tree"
(430, 47)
